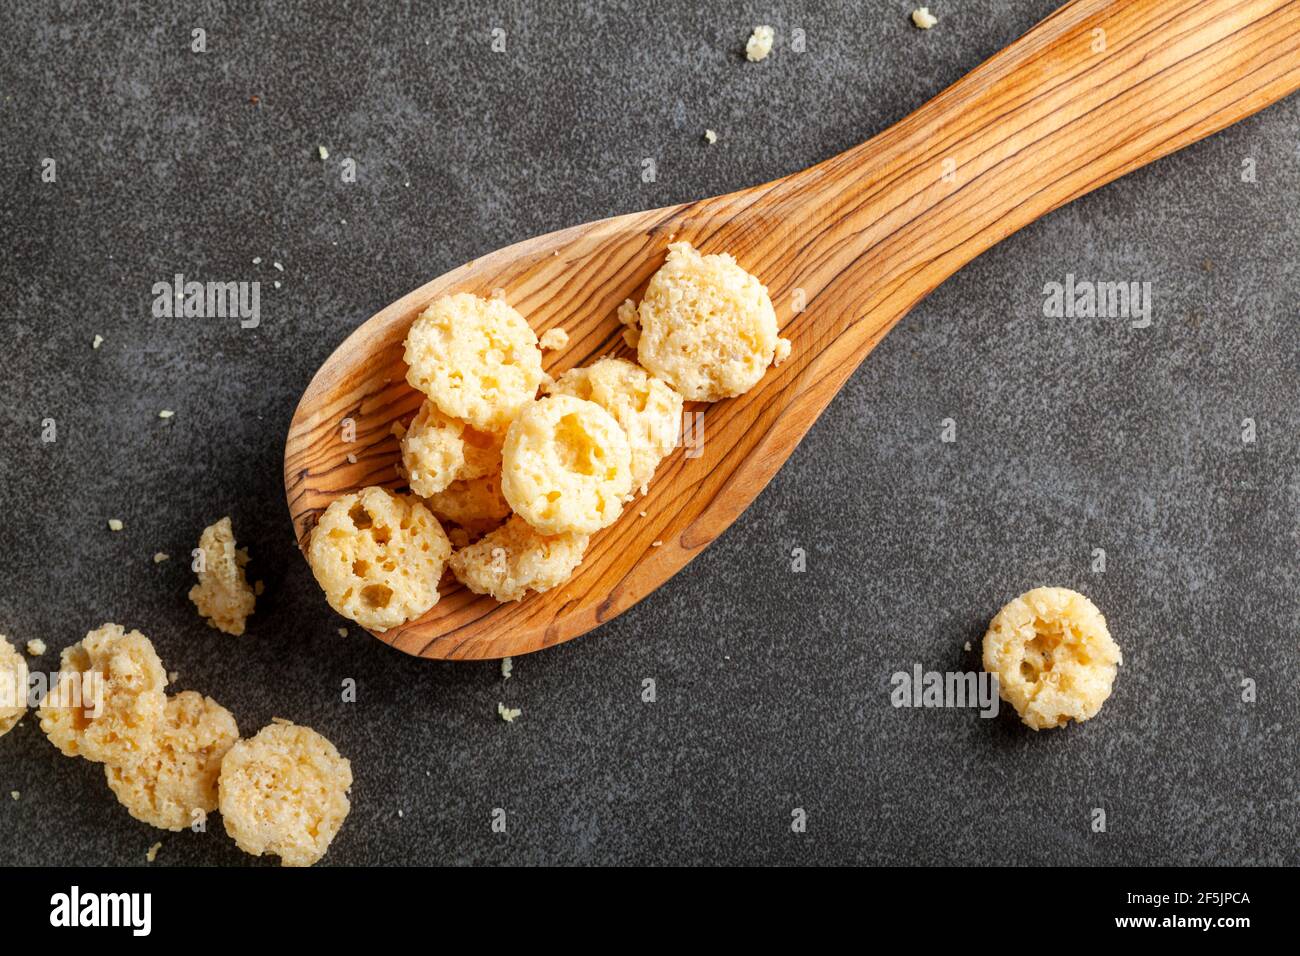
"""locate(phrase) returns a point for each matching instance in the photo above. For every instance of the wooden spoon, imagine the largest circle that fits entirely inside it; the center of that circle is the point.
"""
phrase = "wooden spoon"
(845, 248)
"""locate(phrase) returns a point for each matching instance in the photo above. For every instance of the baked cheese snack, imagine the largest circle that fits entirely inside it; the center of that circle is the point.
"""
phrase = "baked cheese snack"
(647, 408)
(174, 784)
(438, 449)
(285, 792)
(109, 697)
(515, 559)
(476, 359)
(378, 557)
(707, 327)
(13, 686)
(223, 594)
(566, 466)
(1053, 655)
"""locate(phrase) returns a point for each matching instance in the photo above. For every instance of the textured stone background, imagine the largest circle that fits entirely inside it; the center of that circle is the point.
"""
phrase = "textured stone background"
(773, 686)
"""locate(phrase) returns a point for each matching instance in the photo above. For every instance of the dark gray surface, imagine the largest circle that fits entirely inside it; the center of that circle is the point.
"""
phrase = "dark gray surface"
(772, 685)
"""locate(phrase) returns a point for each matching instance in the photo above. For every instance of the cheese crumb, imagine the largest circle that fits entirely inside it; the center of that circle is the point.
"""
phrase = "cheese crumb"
(759, 44)
(161, 556)
(555, 338)
(782, 352)
(923, 18)
(343, 632)
(508, 714)
(115, 524)
(710, 137)
(507, 665)
(166, 413)
(966, 646)
(15, 794)
(36, 647)
(98, 341)
(278, 266)
(152, 853)
(352, 459)
(324, 153)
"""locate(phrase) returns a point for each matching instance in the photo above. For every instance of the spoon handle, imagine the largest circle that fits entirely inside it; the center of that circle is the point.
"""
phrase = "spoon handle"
(1099, 88)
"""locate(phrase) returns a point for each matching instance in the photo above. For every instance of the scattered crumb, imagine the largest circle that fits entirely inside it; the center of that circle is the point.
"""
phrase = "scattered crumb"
(759, 44)
(15, 794)
(278, 266)
(343, 632)
(166, 413)
(507, 665)
(98, 341)
(161, 556)
(923, 18)
(555, 338)
(352, 459)
(401, 813)
(115, 524)
(966, 646)
(710, 137)
(632, 336)
(508, 714)
(36, 647)
(782, 352)
(276, 283)
(643, 514)
(324, 153)
(656, 544)
(258, 588)
(257, 260)
(152, 853)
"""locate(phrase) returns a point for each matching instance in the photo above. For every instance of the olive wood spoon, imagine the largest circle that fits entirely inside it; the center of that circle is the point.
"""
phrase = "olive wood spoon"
(845, 248)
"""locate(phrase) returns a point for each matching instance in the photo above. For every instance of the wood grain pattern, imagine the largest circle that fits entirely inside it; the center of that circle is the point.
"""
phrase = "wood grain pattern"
(846, 248)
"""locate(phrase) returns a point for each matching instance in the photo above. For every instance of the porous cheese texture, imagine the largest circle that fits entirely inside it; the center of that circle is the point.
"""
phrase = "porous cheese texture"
(13, 686)
(515, 559)
(378, 557)
(476, 505)
(647, 409)
(223, 594)
(285, 792)
(109, 697)
(708, 328)
(566, 466)
(437, 450)
(1053, 655)
(174, 784)
(477, 359)
(759, 44)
